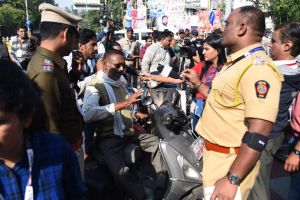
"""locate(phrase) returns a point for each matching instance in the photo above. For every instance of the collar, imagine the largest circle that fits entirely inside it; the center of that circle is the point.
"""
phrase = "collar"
(99, 74)
(241, 52)
(285, 62)
(52, 56)
(129, 39)
(160, 45)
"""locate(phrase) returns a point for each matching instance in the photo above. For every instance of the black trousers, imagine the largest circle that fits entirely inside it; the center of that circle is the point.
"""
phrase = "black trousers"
(111, 149)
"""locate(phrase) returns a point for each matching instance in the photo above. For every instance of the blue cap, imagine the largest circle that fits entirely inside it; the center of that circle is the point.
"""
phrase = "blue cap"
(181, 30)
(129, 30)
(194, 32)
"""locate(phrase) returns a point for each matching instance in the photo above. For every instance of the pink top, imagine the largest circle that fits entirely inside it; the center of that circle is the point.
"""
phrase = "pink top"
(142, 51)
(295, 120)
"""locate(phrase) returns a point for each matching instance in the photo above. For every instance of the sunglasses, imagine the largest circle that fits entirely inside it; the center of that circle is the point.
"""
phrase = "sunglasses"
(118, 66)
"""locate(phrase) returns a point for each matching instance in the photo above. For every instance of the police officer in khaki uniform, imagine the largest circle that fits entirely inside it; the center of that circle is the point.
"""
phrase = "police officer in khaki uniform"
(47, 69)
(241, 107)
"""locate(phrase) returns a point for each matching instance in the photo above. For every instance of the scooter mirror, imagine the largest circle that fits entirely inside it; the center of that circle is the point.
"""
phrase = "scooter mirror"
(148, 100)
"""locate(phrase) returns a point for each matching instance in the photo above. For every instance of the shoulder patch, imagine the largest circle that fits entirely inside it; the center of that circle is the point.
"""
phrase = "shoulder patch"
(259, 61)
(262, 88)
(47, 66)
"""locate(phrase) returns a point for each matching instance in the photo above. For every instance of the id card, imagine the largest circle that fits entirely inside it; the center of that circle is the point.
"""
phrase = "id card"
(166, 71)
(28, 193)
(208, 191)
(197, 147)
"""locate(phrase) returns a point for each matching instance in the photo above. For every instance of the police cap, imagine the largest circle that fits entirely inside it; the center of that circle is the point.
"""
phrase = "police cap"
(129, 30)
(52, 13)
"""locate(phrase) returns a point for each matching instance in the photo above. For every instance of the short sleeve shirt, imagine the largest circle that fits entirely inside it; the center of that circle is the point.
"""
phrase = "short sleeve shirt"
(127, 45)
(258, 92)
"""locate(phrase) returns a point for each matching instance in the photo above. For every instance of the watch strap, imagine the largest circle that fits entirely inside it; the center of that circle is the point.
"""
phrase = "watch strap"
(233, 178)
(297, 152)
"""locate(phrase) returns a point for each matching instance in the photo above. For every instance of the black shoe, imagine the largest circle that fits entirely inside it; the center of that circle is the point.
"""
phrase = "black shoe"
(161, 180)
(149, 193)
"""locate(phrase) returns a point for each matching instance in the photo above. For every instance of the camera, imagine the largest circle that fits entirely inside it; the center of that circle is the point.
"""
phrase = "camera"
(191, 47)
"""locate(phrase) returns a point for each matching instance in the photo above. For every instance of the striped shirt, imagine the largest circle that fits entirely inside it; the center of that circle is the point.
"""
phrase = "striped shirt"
(288, 67)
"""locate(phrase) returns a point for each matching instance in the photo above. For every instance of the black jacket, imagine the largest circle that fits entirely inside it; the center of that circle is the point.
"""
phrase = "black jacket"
(290, 87)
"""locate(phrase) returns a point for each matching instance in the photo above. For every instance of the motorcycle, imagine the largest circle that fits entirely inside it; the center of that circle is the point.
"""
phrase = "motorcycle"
(172, 127)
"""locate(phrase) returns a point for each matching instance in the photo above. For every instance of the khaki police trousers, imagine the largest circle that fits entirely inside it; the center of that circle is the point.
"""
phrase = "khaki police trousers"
(216, 166)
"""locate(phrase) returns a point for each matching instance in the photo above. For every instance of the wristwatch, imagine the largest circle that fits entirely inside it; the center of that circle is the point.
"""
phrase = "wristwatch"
(297, 152)
(233, 179)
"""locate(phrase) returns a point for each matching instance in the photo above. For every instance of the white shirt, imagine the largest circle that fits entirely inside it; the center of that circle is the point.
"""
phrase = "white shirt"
(91, 109)
(288, 67)
(154, 55)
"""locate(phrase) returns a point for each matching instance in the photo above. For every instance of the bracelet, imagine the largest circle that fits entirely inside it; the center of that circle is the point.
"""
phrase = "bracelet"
(297, 152)
(197, 87)
(208, 91)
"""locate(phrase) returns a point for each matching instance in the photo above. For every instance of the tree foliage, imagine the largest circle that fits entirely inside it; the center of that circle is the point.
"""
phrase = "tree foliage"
(10, 18)
(284, 11)
(115, 9)
(91, 20)
(112, 10)
(13, 13)
(280, 10)
(262, 4)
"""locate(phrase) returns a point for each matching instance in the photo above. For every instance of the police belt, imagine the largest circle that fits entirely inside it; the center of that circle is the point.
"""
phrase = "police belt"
(220, 149)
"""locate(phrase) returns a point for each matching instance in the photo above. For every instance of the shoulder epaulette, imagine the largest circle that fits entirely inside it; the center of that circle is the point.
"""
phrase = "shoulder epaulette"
(47, 66)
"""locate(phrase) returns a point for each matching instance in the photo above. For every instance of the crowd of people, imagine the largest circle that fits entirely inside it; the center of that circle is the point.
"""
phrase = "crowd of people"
(64, 99)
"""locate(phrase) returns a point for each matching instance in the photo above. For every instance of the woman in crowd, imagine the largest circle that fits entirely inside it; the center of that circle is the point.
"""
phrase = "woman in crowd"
(214, 59)
(214, 54)
(34, 164)
(144, 48)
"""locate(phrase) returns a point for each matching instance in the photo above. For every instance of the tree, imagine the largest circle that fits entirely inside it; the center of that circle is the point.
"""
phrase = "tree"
(91, 20)
(284, 10)
(10, 18)
(114, 9)
(280, 10)
(13, 13)
(261, 4)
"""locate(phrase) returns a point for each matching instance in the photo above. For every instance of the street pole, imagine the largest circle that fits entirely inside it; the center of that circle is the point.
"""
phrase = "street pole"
(27, 17)
(86, 23)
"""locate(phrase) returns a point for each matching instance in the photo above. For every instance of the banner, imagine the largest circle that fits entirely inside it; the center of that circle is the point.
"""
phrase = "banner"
(209, 21)
(135, 15)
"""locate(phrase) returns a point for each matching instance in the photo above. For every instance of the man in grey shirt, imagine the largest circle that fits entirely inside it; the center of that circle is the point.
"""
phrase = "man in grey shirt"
(157, 53)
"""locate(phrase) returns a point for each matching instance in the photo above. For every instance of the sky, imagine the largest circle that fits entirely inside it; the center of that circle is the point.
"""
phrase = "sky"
(63, 3)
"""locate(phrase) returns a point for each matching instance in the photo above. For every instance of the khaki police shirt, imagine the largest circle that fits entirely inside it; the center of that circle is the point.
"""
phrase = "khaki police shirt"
(257, 93)
(127, 45)
(47, 70)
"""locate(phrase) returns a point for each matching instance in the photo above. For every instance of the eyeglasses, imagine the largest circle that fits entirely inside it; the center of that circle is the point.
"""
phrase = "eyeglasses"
(119, 65)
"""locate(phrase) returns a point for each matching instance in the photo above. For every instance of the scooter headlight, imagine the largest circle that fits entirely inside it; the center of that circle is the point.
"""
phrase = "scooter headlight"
(187, 169)
(191, 173)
